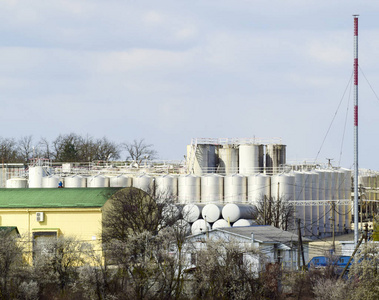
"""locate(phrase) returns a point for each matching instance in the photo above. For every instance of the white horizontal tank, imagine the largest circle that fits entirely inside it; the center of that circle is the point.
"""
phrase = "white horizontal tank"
(221, 223)
(192, 212)
(200, 226)
(232, 212)
(211, 212)
(243, 223)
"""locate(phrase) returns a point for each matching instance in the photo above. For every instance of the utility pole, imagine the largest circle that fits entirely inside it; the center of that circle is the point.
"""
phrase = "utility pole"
(300, 245)
(334, 228)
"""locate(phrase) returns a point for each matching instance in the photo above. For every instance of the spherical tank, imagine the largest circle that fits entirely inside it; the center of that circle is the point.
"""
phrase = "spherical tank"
(35, 177)
(258, 188)
(250, 159)
(97, 181)
(283, 186)
(221, 223)
(189, 189)
(211, 212)
(16, 183)
(50, 181)
(75, 181)
(120, 181)
(192, 212)
(235, 188)
(200, 226)
(275, 158)
(232, 212)
(144, 182)
(243, 223)
(212, 188)
(166, 186)
(228, 159)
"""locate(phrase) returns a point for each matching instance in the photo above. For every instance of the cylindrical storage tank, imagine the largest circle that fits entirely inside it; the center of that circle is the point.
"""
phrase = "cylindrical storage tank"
(275, 158)
(258, 188)
(200, 226)
(228, 159)
(97, 181)
(183, 227)
(166, 186)
(243, 223)
(300, 196)
(347, 206)
(212, 188)
(211, 212)
(322, 208)
(250, 159)
(221, 223)
(283, 186)
(51, 181)
(189, 189)
(170, 212)
(192, 212)
(235, 188)
(204, 158)
(120, 181)
(35, 177)
(232, 212)
(144, 182)
(314, 208)
(75, 181)
(17, 183)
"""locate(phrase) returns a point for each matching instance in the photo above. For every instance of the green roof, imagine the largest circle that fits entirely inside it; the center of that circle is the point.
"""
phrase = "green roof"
(9, 229)
(55, 197)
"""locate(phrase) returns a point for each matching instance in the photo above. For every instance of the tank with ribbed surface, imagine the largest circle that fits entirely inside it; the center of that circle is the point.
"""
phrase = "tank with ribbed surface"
(97, 181)
(188, 189)
(212, 188)
(17, 183)
(322, 208)
(75, 181)
(283, 186)
(167, 186)
(347, 188)
(120, 181)
(228, 159)
(275, 158)
(221, 223)
(144, 182)
(204, 159)
(258, 187)
(200, 226)
(192, 212)
(51, 181)
(211, 212)
(250, 159)
(235, 188)
(314, 208)
(233, 212)
(299, 194)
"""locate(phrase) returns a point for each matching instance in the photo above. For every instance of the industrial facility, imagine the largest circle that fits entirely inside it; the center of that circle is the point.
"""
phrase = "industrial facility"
(221, 183)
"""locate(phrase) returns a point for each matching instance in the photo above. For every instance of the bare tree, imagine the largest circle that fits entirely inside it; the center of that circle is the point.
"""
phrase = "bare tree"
(138, 150)
(43, 149)
(25, 148)
(276, 212)
(107, 150)
(66, 147)
(8, 150)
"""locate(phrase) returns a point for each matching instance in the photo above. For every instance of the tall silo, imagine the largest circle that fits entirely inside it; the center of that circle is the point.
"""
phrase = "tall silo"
(120, 181)
(232, 212)
(250, 159)
(328, 196)
(258, 188)
(202, 158)
(347, 188)
(315, 225)
(35, 176)
(189, 189)
(228, 159)
(300, 196)
(235, 188)
(275, 158)
(283, 186)
(322, 208)
(166, 186)
(144, 182)
(212, 188)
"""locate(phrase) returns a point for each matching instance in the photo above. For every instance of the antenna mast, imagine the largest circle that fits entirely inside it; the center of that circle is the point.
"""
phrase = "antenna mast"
(356, 216)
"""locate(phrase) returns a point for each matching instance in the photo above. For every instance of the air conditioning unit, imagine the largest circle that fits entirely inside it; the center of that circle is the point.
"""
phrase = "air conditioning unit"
(39, 216)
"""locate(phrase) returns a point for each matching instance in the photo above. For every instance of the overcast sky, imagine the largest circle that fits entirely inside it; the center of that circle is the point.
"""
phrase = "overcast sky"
(169, 71)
